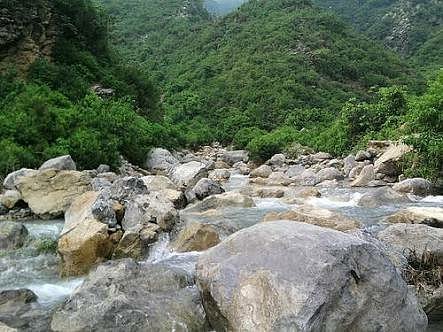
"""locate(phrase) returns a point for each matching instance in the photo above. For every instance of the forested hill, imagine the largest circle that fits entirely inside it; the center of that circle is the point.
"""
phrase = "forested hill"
(222, 7)
(413, 28)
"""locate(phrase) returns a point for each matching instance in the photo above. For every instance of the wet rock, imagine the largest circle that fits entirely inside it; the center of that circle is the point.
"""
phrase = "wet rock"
(382, 196)
(188, 174)
(329, 173)
(281, 276)
(6, 328)
(388, 163)
(266, 192)
(12, 235)
(416, 186)
(60, 163)
(50, 192)
(262, 171)
(365, 177)
(160, 161)
(315, 216)
(135, 242)
(10, 181)
(204, 188)
(196, 236)
(414, 237)
(19, 311)
(221, 201)
(299, 195)
(3, 210)
(124, 189)
(232, 157)
(432, 303)
(135, 297)
(84, 240)
(431, 216)
(10, 198)
(295, 170)
(153, 208)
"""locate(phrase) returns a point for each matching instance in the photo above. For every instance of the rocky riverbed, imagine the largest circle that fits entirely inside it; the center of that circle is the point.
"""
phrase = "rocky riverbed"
(208, 240)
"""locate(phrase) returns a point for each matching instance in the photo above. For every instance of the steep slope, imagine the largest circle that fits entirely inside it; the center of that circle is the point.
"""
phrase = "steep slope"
(258, 66)
(222, 7)
(407, 26)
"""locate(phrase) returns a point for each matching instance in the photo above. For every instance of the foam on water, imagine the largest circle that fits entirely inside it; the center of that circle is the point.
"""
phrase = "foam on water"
(38, 229)
(271, 204)
(433, 199)
(331, 202)
(52, 293)
(236, 181)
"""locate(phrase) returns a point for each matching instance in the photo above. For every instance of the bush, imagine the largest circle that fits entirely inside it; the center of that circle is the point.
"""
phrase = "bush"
(246, 135)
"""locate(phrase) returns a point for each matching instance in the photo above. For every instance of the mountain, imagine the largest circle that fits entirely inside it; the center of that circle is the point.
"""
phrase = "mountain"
(258, 66)
(406, 26)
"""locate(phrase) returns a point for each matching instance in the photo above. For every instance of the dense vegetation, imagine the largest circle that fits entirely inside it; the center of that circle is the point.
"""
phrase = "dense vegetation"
(222, 7)
(53, 111)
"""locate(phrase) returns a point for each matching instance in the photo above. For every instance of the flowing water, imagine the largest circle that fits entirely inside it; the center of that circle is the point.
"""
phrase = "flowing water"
(27, 268)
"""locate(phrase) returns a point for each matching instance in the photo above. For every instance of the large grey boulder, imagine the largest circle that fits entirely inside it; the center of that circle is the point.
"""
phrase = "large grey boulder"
(382, 196)
(12, 235)
(204, 188)
(10, 198)
(366, 175)
(262, 171)
(348, 163)
(232, 157)
(431, 216)
(126, 296)
(281, 276)
(10, 181)
(167, 188)
(160, 161)
(60, 163)
(329, 173)
(221, 201)
(414, 237)
(187, 175)
(124, 189)
(388, 163)
(277, 160)
(416, 186)
(295, 170)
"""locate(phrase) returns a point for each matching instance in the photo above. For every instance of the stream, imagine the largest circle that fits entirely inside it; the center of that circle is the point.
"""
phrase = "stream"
(29, 268)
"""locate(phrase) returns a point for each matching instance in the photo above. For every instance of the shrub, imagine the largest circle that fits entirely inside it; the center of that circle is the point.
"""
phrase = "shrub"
(246, 135)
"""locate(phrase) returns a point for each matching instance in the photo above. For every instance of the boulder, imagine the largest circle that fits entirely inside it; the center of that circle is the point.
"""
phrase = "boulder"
(362, 155)
(262, 171)
(242, 168)
(204, 188)
(307, 178)
(136, 241)
(187, 175)
(265, 192)
(167, 188)
(431, 216)
(232, 157)
(220, 164)
(406, 238)
(196, 236)
(329, 173)
(382, 196)
(365, 177)
(12, 235)
(432, 303)
(125, 296)
(416, 186)
(160, 161)
(221, 201)
(219, 175)
(124, 189)
(10, 198)
(102, 168)
(277, 160)
(348, 164)
(60, 163)
(146, 209)
(50, 192)
(278, 179)
(84, 240)
(355, 171)
(6, 328)
(282, 276)
(295, 170)
(315, 216)
(320, 156)
(388, 162)
(10, 181)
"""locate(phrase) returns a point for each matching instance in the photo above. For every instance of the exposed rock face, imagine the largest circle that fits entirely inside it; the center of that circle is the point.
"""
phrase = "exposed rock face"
(315, 216)
(221, 201)
(20, 311)
(196, 236)
(84, 241)
(262, 171)
(60, 163)
(10, 198)
(188, 174)
(50, 192)
(421, 238)
(232, 157)
(431, 216)
(160, 161)
(11, 179)
(12, 235)
(126, 296)
(388, 162)
(382, 196)
(282, 276)
(365, 177)
(204, 188)
(416, 186)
